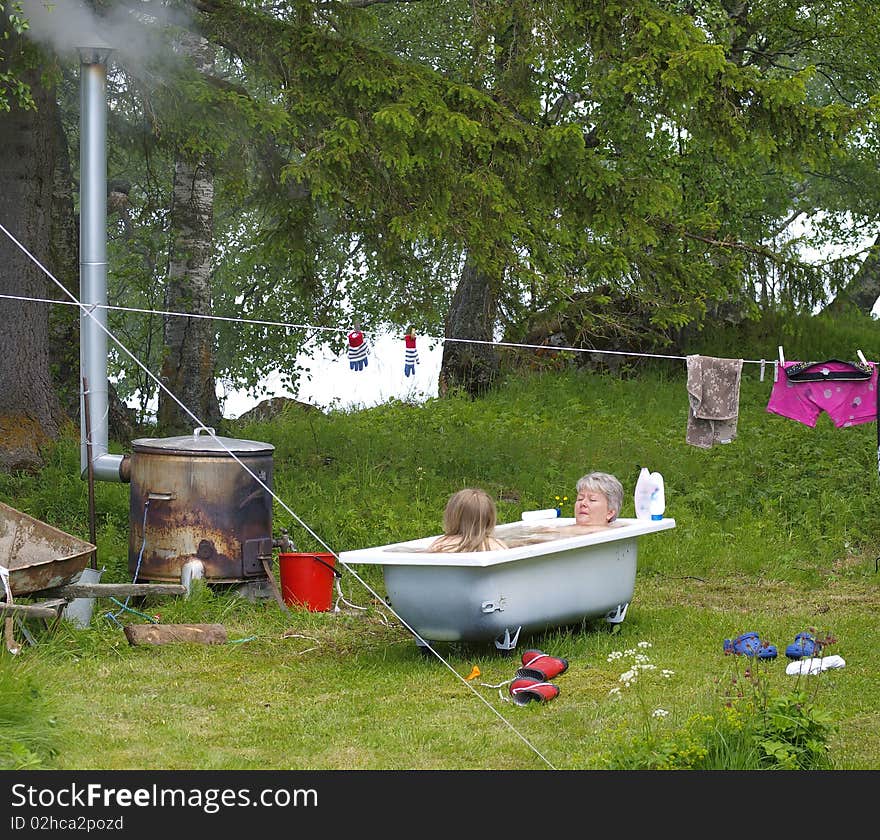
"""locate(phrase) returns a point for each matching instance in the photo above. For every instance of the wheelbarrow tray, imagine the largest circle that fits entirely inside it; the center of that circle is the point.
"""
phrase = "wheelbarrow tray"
(37, 555)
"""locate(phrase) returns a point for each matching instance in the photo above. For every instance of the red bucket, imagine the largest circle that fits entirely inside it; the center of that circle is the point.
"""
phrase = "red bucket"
(307, 579)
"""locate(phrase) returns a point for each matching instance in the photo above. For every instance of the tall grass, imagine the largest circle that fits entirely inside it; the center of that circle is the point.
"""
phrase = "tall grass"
(29, 738)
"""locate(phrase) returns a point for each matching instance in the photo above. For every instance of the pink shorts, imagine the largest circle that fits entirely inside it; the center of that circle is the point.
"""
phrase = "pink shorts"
(847, 402)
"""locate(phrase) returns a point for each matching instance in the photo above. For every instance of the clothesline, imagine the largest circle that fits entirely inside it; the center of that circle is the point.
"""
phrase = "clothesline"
(91, 307)
(343, 330)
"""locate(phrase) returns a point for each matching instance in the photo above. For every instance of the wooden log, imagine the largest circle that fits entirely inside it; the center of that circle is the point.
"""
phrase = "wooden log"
(276, 592)
(115, 590)
(9, 633)
(169, 634)
(49, 610)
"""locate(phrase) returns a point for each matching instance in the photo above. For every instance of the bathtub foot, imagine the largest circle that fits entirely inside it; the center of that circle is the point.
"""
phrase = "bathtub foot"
(423, 647)
(616, 616)
(505, 643)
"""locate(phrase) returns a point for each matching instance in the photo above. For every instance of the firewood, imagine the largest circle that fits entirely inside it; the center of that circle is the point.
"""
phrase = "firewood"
(169, 634)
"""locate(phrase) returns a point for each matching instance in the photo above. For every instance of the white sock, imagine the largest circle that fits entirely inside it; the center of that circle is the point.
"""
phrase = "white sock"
(814, 665)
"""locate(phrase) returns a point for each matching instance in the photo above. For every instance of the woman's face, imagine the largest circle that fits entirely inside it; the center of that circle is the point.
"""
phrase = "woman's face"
(591, 508)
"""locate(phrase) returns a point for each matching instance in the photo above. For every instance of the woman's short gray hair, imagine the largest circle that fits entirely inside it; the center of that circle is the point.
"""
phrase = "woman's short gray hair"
(606, 484)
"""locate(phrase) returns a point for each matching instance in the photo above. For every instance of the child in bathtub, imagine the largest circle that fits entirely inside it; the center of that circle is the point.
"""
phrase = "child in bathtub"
(468, 523)
(596, 507)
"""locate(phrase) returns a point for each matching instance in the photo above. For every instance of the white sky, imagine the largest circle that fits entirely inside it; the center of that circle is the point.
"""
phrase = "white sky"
(335, 385)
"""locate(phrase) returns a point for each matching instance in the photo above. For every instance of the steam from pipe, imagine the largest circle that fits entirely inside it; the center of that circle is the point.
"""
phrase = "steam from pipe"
(137, 30)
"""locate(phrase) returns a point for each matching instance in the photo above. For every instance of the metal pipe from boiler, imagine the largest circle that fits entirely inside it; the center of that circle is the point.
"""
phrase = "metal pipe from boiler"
(93, 264)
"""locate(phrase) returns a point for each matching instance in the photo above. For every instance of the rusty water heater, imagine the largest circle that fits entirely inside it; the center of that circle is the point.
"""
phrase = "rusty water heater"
(192, 499)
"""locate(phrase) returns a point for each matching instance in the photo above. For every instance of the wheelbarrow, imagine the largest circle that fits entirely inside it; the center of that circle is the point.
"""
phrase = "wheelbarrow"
(36, 555)
(44, 563)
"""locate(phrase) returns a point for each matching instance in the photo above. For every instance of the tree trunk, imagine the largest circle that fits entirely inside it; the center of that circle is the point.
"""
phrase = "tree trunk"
(470, 365)
(29, 410)
(64, 336)
(862, 291)
(474, 366)
(189, 364)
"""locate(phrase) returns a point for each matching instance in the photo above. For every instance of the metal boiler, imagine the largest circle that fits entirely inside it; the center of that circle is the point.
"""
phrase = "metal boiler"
(192, 502)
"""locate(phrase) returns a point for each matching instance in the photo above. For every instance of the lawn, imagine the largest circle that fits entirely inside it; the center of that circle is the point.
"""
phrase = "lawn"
(775, 532)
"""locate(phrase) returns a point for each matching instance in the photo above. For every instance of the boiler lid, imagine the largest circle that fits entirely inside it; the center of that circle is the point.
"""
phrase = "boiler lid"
(205, 444)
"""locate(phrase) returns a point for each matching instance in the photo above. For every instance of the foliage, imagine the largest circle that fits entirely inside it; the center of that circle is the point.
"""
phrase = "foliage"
(794, 734)
(756, 728)
(360, 152)
(13, 89)
(778, 730)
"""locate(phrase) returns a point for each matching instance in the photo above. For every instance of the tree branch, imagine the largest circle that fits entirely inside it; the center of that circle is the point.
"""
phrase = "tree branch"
(363, 4)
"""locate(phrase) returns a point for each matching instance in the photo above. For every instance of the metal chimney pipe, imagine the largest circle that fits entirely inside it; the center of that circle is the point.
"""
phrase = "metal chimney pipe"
(93, 264)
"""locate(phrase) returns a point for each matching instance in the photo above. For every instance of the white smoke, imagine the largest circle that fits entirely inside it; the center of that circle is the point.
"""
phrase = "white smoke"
(137, 30)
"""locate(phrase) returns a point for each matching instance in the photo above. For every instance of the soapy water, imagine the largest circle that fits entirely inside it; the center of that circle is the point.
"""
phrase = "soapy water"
(530, 533)
(516, 534)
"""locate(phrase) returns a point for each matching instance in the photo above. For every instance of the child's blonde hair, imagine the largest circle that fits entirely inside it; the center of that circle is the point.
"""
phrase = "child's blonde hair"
(470, 515)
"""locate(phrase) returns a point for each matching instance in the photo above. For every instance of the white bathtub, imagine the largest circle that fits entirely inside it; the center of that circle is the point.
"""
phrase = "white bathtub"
(482, 595)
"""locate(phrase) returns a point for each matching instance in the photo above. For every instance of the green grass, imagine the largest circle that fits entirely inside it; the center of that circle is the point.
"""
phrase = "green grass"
(776, 532)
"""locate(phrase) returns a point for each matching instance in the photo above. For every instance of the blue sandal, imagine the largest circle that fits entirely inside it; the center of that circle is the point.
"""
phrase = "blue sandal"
(750, 644)
(743, 645)
(803, 646)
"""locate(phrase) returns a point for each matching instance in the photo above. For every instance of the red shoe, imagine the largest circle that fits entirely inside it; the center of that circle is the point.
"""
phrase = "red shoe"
(526, 689)
(541, 666)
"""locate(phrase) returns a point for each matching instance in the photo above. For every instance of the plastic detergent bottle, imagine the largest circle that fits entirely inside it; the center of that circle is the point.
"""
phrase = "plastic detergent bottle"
(642, 496)
(657, 501)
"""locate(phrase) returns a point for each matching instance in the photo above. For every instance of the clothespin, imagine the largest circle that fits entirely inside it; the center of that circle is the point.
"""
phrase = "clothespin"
(763, 362)
(861, 356)
(781, 356)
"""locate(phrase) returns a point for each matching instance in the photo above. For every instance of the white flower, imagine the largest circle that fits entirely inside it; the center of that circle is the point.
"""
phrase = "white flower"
(615, 654)
(644, 645)
(615, 690)
(659, 713)
(667, 673)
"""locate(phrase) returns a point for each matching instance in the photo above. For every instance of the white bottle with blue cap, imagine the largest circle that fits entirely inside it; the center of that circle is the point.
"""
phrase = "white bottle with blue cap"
(642, 495)
(657, 501)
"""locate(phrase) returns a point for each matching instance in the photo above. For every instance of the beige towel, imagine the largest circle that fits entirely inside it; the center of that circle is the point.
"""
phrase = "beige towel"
(713, 400)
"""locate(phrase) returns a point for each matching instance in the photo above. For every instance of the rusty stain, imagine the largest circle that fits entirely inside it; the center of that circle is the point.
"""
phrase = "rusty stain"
(37, 555)
(217, 512)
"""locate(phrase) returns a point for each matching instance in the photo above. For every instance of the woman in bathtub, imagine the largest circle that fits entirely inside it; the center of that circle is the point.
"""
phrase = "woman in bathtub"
(596, 507)
(597, 504)
(468, 523)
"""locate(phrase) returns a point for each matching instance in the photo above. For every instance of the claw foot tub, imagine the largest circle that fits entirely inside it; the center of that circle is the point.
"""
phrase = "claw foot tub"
(547, 578)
